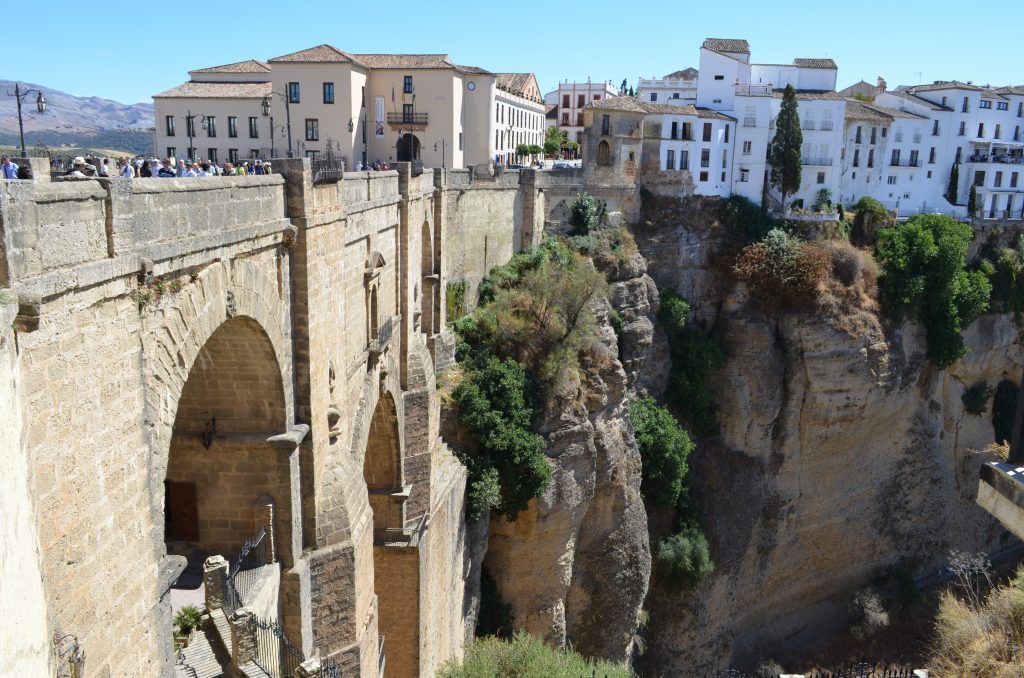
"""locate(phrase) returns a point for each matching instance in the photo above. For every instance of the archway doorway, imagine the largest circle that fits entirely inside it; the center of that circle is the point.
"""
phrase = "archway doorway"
(408, 148)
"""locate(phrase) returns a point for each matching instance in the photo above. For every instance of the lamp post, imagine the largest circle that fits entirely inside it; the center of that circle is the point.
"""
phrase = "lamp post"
(444, 151)
(190, 128)
(351, 127)
(18, 95)
(288, 114)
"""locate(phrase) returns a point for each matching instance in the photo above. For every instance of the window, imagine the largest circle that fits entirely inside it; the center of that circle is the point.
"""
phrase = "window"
(597, 97)
(408, 113)
(913, 158)
(1020, 110)
(998, 180)
(312, 129)
(744, 175)
(684, 160)
(943, 101)
(935, 128)
(981, 130)
(675, 95)
(716, 101)
(929, 174)
(719, 77)
(211, 126)
(821, 177)
(190, 126)
(579, 119)
(581, 101)
(895, 161)
(654, 96)
(885, 133)
(985, 104)
(232, 126)
(979, 178)
(1016, 133)
(313, 155)
(362, 100)
(707, 131)
(856, 157)
(892, 179)
(328, 92)
(687, 132)
(725, 159)
(964, 108)
(705, 158)
(856, 138)
(959, 152)
(169, 124)
(606, 124)
(254, 132)
(1013, 180)
(874, 135)
(565, 101)
(171, 151)
(233, 155)
(211, 155)
(703, 176)
(670, 159)
(998, 133)
(931, 156)
(963, 128)
(727, 133)
(460, 138)
(747, 146)
(604, 154)
(293, 92)
(871, 157)
(407, 84)
(723, 176)
(565, 119)
(675, 130)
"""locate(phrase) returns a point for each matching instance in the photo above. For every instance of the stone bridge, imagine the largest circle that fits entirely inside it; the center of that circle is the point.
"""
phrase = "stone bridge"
(185, 361)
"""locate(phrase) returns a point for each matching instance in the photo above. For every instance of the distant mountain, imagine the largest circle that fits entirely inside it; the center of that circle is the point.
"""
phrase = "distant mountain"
(70, 121)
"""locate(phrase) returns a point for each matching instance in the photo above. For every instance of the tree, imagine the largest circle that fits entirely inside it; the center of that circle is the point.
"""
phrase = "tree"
(523, 150)
(972, 202)
(622, 88)
(785, 150)
(631, 92)
(954, 184)
(553, 141)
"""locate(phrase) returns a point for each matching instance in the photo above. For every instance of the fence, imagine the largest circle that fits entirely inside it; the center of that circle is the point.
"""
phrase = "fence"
(861, 669)
(327, 171)
(242, 573)
(274, 653)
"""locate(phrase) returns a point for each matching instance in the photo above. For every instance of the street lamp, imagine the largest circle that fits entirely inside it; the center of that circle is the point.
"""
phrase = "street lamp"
(190, 129)
(18, 94)
(288, 115)
(351, 127)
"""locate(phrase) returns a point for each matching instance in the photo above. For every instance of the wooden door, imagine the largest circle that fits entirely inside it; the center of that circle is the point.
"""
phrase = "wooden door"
(181, 511)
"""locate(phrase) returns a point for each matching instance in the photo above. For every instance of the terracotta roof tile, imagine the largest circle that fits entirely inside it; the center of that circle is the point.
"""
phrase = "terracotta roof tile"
(473, 70)
(514, 82)
(685, 74)
(944, 85)
(713, 115)
(321, 54)
(627, 104)
(815, 63)
(919, 100)
(811, 94)
(685, 109)
(727, 45)
(248, 66)
(858, 110)
(217, 90)
(406, 61)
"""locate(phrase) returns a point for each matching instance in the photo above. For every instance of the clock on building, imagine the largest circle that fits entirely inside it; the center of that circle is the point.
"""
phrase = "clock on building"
(471, 86)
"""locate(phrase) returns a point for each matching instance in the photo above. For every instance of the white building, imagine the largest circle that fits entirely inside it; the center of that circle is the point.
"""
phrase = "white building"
(571, 98)
(519, 116)
(676, 89)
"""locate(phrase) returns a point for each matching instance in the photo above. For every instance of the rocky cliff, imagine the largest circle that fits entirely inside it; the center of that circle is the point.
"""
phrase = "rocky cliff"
(843, 452)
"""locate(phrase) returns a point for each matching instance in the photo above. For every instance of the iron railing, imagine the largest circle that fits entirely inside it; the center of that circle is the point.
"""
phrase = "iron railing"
(380, 658)
(326, 171)
(754, 90)
(407, 118)
(274, 652)
(750, 121)
(241, 574)
(384, 333)
(826, 125)
(816, 162)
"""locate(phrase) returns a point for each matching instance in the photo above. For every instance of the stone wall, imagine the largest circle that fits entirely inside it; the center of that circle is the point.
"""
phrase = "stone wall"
(26, 651)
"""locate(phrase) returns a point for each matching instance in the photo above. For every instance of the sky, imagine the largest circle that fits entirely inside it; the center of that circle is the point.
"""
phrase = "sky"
(130, 51)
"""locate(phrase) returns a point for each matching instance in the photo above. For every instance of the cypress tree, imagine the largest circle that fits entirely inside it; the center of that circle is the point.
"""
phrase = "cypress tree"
(954, 183)
(972, 202)
(786, 145)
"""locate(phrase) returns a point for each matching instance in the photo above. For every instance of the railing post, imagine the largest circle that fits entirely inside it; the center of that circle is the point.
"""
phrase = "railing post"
(265, 514)
(215, 572)
(308, 669)
(243, 637)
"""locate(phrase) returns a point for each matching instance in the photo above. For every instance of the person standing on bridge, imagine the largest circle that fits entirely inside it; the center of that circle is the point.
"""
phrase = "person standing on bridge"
(8, 169)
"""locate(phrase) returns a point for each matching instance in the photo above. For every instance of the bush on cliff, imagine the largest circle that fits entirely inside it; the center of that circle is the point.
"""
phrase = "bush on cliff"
(745, 222)
(869, 216)
(664, 448)
(683, 560)
(1005, 272)
(694, 356)
(526, 656)
(923, 278)
(783, 271)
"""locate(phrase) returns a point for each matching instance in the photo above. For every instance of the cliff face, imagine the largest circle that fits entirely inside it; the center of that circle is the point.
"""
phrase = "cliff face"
(842, 452)
(575, 566)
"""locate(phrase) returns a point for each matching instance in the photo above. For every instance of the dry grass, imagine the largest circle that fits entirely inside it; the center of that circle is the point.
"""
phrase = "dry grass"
(981, 640)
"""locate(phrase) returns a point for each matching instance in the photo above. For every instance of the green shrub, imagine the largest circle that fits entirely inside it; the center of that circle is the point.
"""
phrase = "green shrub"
(527, 657)
(744, 221)
(923, 278)
(664, 449)
(186, 619)
(870, 215)
(1004, 407)
(782, 271)
(976, 398)
(684, 560)
(694, 356)
(455, 299)
(822, 200)
(1004, 274)
(586, 214)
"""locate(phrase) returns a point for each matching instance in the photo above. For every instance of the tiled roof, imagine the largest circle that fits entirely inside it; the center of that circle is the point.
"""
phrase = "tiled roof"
(686, 74)
(321, 54)
(944, 85)
(473, 70)
(919, 100)
(248, 66)
(406, 61)
(217, 90)
(628, 104)
(815, 63)
(712, 115)
(810, 94)
(686, 109)
(898, 113)
(551, 111)
(514, 82)
(1011, 89)
(858, 110)
(727, 45)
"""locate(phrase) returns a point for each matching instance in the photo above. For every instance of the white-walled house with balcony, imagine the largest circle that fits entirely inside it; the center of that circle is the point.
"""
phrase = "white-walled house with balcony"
(676, 89)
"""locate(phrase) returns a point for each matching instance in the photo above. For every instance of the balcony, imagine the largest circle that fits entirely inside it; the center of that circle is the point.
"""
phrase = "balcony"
(826, 125)
(816, 162)
(905, 163)
(399, 536)
(384, 334)
(1002, 159)
(807, 124)
(750, 122)
(898, 137)
(754, 90)
(407, 118)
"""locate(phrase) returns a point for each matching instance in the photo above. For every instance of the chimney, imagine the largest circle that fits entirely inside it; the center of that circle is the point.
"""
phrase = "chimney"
(880, 88)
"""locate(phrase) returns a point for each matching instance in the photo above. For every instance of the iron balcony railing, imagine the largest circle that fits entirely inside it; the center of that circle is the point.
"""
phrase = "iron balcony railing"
(750, 121)
(384, 333)
(399, 536)
(816, 161)
(241, 573)
(327, 171)
(826, 125)
(274, 652)
(407, 118)
(754, 90)
(905, 163)
(807, 124)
